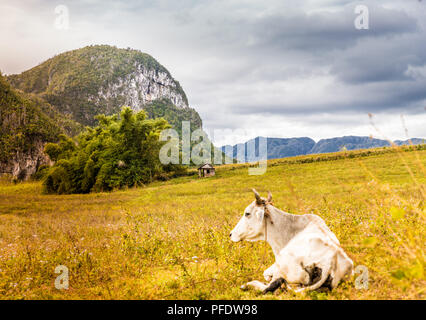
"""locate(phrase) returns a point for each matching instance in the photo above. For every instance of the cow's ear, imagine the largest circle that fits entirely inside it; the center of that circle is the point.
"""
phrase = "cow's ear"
(269, 196)
(257, 196)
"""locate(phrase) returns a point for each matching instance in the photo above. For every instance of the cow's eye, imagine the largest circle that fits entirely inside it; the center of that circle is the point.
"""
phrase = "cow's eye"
(247, 214)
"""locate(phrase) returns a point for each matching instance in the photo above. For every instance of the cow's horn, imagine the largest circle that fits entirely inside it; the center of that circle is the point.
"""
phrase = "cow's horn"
(269, 196)
(257, 195)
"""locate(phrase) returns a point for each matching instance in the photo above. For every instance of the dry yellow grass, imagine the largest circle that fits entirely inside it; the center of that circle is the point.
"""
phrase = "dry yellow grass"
(170, 240)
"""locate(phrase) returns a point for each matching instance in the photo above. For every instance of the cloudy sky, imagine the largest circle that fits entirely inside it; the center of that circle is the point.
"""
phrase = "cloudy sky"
(273, 68)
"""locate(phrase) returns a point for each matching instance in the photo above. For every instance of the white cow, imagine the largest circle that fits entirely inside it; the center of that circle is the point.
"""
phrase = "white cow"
(307, 254)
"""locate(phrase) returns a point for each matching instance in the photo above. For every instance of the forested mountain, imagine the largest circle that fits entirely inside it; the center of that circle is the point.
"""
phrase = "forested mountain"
(100, 80)
(66, 92)
(276, 148)
(355, 143)
(282, 148)
(163, 108)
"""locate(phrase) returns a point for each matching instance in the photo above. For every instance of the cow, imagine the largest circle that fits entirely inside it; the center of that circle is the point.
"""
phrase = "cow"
(308, 255)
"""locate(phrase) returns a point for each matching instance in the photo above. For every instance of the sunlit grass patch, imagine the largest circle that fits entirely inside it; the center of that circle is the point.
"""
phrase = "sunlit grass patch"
(170, 240)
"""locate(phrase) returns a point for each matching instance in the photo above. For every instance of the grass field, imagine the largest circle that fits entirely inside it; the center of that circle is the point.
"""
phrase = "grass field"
(170, 240)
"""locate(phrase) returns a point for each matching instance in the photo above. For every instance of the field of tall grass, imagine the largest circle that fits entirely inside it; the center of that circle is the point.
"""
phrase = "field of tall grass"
(170, 240)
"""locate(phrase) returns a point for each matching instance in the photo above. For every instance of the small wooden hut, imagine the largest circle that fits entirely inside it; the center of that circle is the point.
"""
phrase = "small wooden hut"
(206, 170)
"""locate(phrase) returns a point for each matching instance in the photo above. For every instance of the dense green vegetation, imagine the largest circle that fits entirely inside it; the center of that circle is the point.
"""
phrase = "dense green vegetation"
(72, 80)
(26, 119)
(164, 108)
(119, 152)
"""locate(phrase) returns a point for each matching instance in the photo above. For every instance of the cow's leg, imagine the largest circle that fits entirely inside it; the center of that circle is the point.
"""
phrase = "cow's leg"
(292, 270)
(265, 287)
(342, 269)
(268, 274)
(274, 285)
(271, 274)
(260, 286)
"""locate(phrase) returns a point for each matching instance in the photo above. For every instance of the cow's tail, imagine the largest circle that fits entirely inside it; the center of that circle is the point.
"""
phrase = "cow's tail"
(325, 272)
(324, 275)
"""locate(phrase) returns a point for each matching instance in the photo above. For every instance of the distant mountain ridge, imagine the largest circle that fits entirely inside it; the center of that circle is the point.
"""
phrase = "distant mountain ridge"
(290, 147)
(276, 148)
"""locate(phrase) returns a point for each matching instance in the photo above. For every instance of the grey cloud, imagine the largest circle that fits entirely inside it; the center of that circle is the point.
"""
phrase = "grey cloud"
(385, 60)
(407, 97)
(326, 31)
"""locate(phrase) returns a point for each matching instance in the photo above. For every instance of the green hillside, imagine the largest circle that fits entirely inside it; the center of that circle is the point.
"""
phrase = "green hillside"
(79, 82)
(163, 108)
(25, 121)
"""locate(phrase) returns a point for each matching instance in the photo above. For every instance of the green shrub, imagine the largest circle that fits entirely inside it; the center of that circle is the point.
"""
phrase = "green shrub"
(41, 172)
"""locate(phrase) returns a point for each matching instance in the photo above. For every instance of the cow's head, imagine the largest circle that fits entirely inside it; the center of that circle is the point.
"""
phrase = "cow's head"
(251, 226)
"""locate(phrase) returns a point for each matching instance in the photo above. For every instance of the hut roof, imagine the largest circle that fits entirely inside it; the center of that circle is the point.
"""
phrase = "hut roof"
(206, 166)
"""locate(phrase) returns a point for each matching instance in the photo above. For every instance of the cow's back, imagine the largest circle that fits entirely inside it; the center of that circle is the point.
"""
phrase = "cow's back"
(317, 224)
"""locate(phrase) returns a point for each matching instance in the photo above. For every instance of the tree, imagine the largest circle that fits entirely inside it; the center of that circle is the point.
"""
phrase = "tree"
(122, 151)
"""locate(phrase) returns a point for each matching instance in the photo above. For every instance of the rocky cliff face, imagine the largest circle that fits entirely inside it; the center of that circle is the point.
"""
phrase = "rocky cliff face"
(24, 164)
(26, 124)
(139, 88)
